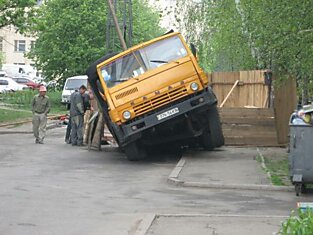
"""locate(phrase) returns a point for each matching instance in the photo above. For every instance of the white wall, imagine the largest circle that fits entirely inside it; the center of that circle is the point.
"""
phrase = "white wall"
(10, 56)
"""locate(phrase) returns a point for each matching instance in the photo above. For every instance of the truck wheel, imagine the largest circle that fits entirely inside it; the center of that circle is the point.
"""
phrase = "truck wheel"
(298, 188)
(212, 136)
(135, 152)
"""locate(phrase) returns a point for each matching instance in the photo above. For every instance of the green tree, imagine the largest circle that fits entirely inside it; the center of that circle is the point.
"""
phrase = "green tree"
(1, 59)
(253, 34)
(215, 27)
(71, 34)
(16, 12)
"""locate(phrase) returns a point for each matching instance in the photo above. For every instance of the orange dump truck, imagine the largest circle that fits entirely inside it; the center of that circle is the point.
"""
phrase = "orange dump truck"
(154, 94)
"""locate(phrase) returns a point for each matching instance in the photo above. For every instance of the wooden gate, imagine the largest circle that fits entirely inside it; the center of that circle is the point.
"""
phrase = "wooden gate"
(254, 112)
(249, 88)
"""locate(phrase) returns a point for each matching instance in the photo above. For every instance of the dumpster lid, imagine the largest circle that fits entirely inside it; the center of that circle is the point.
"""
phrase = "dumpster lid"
(307, 108)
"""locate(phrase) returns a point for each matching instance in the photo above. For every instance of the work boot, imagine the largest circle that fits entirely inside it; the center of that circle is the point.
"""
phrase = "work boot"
(40, 142)
(37, 141)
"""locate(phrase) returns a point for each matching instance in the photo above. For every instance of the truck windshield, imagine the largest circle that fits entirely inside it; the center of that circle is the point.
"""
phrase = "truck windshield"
(142, 60)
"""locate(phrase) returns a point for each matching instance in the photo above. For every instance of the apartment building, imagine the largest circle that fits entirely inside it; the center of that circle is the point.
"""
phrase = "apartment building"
(13, 46)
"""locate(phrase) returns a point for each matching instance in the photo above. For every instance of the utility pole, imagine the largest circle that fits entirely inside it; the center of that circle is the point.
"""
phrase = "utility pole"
(96, 122)
(117, 27)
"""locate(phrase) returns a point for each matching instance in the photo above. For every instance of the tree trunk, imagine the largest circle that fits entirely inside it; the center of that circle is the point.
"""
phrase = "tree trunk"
(305, 83)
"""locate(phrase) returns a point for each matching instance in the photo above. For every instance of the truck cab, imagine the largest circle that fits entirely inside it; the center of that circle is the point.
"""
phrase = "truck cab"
(156, 93)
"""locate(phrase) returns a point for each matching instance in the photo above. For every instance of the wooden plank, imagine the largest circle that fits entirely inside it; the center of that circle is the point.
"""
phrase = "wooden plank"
(246, 112)
(252, 141)
(241, 83)
(248, 128)
(253, 127)
(251, 133)
(249, 121)
(229, 93)
(284, 104)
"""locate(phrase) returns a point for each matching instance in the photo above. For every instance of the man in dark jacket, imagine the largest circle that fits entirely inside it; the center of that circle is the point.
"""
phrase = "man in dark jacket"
(77, 116)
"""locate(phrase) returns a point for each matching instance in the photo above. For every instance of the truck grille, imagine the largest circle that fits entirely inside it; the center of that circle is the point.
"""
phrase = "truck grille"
(126, 93)
(160, 100)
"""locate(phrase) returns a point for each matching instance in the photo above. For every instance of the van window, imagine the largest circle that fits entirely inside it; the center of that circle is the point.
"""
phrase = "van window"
(4, 82)
(73, 84)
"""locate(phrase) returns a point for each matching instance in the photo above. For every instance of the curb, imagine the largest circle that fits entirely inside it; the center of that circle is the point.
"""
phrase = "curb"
(176, 171)
(29, 120)
(264, 166)
(231, 186)
(223, 215)
(49, 127)
(173, 179)
(145, 224)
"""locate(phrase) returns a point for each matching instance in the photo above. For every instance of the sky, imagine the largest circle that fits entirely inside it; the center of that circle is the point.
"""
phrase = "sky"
(165, 6)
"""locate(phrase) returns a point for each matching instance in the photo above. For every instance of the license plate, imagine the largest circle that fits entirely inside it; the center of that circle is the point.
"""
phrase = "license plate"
(167, 113)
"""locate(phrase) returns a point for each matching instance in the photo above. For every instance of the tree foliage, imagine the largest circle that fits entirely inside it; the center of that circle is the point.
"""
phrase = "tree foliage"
(251, 34)
(15, 12)
(1, 59)
(71, 34)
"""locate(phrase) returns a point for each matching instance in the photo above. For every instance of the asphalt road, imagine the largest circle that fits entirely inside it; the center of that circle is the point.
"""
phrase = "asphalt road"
(59, 189)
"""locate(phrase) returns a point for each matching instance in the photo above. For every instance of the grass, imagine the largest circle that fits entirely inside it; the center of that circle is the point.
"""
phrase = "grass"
(301, 224)
(277, 165)
(19, 104)
(278, 169)
(7, 115)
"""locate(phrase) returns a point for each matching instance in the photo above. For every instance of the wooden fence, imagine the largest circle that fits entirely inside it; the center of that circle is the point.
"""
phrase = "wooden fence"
(254, 111)
(251, 90)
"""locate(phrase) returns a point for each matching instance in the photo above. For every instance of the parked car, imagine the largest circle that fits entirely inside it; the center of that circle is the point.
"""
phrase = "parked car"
(26, 81)
(4, 85)
(39, 80)
(3, 73)
(8, 84)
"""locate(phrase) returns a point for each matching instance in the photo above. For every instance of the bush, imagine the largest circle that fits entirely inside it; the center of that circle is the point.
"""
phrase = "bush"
(23, 99)
(18, 98)
(301, 224)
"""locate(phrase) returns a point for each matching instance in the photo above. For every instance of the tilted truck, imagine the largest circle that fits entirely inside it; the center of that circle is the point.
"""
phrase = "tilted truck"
(156, 94)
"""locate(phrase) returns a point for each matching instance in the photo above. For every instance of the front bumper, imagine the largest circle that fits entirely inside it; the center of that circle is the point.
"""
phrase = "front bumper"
(65, 100)
(206, 97)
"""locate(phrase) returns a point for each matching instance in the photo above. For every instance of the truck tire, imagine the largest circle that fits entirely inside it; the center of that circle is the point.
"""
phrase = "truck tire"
(135, 151)
(212, 136)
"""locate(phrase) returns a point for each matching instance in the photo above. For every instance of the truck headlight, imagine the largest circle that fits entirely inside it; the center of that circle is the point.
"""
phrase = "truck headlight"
(194, 86)
(126, 115)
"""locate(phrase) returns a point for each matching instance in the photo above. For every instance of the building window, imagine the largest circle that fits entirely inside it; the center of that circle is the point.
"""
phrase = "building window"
(32, 44)
(1, 43)
(19, 45)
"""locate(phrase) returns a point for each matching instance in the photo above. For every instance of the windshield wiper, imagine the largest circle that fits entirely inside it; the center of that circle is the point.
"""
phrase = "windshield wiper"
(159, 61)
(163, 61)
(120, 80)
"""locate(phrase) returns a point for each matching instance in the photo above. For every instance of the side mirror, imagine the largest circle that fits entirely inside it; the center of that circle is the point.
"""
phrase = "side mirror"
(193, 49)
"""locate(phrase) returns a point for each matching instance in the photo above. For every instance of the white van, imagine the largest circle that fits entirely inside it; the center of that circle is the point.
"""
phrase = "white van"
(14, 69)
(72, 84)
